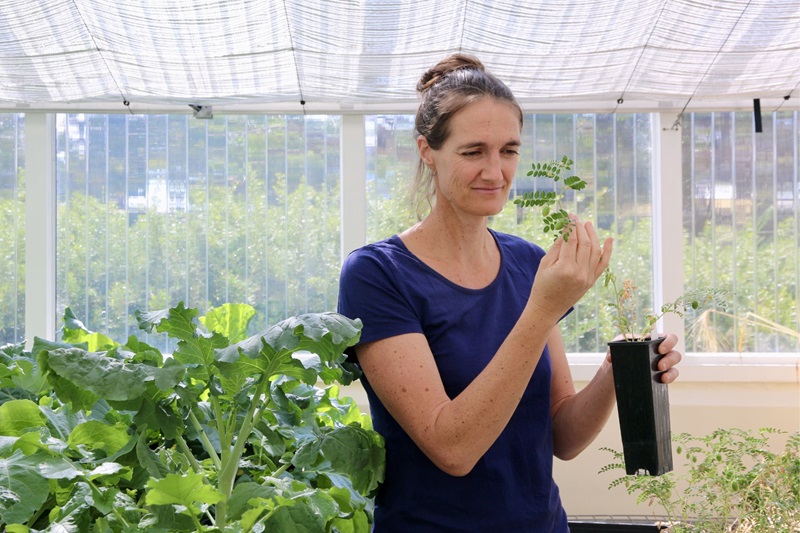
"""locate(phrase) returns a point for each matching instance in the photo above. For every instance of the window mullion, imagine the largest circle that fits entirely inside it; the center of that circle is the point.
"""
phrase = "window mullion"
(668, 281)
(40, 226)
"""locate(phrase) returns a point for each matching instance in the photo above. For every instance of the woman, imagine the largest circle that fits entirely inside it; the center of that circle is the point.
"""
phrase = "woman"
(463, 361)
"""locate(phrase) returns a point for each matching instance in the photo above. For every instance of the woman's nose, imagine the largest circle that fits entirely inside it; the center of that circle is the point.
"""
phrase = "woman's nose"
(493, 168)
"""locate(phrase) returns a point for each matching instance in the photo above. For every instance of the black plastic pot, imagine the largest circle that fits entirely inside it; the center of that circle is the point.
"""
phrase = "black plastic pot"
(612, 527)
(643, 407)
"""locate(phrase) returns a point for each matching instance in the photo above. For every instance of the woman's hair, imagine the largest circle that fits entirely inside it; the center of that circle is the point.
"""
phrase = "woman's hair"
(444, 90)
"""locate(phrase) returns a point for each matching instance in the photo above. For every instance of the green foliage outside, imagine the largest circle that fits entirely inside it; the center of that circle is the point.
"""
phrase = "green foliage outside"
(261, 225)
(281, 257)
(12, 261)
(231, 433)
(764, 275)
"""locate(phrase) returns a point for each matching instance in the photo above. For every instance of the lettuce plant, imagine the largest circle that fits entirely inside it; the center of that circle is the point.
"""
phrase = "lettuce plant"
(227, 434)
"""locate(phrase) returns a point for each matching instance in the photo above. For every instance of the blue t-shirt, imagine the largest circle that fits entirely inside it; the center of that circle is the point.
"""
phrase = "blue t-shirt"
(511, 488)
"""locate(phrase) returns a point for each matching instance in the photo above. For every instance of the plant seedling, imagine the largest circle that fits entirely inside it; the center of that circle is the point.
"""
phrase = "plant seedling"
(554, 217)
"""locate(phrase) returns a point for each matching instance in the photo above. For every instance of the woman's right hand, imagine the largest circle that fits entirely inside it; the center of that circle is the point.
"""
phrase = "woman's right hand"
(569, 269)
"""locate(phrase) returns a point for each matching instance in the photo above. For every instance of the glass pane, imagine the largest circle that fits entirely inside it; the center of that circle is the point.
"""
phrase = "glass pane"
(611, 152)
(741, 229)
(391, 165)
(154, 210)
(12, 222)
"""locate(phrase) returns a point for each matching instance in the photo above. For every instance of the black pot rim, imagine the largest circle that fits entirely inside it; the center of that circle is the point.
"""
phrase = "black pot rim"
(638, 341)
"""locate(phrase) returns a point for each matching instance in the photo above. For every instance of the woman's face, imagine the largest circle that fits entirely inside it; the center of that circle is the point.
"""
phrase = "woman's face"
(475, 167)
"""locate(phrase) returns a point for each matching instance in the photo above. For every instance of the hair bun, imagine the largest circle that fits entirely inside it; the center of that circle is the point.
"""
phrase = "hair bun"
(445, 67)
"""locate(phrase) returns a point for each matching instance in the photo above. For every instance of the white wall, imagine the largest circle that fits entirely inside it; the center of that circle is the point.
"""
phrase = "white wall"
(704, 398)
(712, 392)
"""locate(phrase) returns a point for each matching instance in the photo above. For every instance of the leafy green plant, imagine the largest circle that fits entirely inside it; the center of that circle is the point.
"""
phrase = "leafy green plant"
(556, 222)
(625, 317)
(732, 482)
(226, 434)
(554, 217)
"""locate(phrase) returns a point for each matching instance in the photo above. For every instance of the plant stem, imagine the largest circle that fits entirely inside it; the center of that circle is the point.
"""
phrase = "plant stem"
(204, 438)
(96, 493)
(198, 526)
(282, 469)
(610, 278)
(189, 455)
(231, 462)
(223, 427)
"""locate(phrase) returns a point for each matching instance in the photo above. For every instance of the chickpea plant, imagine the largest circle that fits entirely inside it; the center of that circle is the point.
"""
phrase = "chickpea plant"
(556, 222)
(625, 317)
(554, 217)
(734, 480)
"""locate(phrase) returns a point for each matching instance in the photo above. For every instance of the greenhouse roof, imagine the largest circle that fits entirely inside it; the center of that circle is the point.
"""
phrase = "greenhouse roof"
(345, 55)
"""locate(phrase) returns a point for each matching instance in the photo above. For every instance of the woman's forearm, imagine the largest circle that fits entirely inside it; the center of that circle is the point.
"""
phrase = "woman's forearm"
(578, 419)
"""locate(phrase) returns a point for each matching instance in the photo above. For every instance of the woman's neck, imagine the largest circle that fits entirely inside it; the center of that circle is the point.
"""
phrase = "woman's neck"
(465, 253)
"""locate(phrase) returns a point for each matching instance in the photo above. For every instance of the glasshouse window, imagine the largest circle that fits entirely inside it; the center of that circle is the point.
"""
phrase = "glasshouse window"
(158, 209)
(611, 152)
(12, 222)
(742, 229)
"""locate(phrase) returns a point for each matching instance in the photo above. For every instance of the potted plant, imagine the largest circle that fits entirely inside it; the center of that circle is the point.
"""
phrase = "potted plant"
(642, 399)
(733, 481)
(227, 433)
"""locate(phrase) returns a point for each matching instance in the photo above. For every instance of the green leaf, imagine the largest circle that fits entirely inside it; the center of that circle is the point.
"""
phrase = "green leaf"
(159, 415)
(164, 519)
(19, 373)
(308, 455)
(294, 516)
(9, 352)
(149, 459)
(31, 443)
(106, 377)
(357, 523)
(59, 468)
(61, 422)
(575, 183)
(116, 417)
(74, 332)
(143, 352)
(185, 490)
(194, 348)
(358, 453)
(324, 334)
(350, 450)
(19, 416)
(97, 435)
(40, 345)
(242, 493)
(343, 492)
(230, 320)
(109, 471)
(72, 323)
(22, 489)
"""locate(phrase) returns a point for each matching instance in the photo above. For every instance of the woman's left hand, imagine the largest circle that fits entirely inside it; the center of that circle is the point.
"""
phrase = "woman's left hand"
(667, 363)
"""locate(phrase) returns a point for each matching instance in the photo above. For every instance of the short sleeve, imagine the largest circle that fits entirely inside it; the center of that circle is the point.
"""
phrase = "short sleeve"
(369, 290)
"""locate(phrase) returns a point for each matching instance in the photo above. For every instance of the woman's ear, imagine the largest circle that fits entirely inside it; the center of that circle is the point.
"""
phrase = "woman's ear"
(426, 152)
